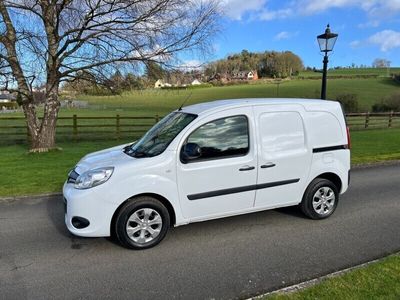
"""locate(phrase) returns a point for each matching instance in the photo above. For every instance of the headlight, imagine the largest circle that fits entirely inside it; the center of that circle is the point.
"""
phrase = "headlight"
(93, 178)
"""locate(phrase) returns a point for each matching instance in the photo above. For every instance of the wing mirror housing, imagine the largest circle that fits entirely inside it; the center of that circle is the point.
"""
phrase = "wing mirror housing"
(190, 151)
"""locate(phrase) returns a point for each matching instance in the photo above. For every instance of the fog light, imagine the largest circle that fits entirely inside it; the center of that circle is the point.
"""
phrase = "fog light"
(80, 223)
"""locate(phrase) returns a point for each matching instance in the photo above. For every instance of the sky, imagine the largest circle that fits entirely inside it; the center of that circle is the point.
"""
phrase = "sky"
(368, 29)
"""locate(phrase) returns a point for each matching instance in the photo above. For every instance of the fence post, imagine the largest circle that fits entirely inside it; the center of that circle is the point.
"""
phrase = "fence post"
(366, 120)
(75, 126)
(118, 127)
(157, 118)
(390, 119)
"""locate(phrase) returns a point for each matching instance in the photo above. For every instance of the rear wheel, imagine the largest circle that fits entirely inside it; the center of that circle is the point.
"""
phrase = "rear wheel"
(320, 199)
(142, 223)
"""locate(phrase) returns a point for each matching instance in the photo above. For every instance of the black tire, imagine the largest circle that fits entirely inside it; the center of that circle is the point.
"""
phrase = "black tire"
(138, 205)
(315, 186)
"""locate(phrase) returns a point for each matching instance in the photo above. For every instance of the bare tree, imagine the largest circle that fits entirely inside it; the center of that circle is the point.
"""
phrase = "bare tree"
(46, 42)
(381, 63)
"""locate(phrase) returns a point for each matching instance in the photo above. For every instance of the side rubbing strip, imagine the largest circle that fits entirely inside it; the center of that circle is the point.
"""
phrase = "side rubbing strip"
(332, 148)
(240, 189)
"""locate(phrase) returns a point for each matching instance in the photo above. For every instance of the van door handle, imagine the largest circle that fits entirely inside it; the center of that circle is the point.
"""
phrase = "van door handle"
(268, 165)
(246, 168)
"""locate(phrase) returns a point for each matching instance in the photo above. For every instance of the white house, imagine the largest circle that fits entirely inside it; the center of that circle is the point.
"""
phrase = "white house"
(196, 82)
(159, 84)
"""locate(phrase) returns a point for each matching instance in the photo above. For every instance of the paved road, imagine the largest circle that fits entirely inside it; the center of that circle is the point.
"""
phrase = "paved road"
(228, 258)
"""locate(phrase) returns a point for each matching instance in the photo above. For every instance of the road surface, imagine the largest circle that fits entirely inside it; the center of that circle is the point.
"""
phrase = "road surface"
(223, 259)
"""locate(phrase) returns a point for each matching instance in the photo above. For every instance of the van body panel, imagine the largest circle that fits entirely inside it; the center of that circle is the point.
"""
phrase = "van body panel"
(284, 154)
(217, 186)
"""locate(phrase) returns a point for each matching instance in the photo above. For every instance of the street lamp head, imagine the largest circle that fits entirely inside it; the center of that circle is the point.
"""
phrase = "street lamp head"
(327, 40)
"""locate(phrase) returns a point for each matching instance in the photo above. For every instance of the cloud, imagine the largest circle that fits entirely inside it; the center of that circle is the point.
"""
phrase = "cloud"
(374, 8)
(369, 24)
(235, 9)
(355, 44)
(386, 40)
(269, 15)
(284, 35)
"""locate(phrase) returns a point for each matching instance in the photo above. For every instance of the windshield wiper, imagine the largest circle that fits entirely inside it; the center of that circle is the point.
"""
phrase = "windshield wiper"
(139, 154)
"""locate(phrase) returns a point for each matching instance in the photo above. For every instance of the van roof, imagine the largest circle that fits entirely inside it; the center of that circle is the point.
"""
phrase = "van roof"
(308, 104)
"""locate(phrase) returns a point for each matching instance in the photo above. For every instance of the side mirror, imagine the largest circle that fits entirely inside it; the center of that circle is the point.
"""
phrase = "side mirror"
(190, 151)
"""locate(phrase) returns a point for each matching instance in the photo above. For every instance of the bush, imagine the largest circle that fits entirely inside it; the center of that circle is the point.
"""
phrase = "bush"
(380, 107)
(8, 105)
(349, 102)
(393, 101)
(390, 103)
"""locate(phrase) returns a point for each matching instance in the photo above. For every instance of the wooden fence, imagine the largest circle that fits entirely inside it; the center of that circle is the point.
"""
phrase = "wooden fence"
(14, 130)
(359, 121)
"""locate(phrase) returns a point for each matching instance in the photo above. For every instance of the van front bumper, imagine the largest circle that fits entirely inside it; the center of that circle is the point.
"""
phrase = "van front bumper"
(87, 212)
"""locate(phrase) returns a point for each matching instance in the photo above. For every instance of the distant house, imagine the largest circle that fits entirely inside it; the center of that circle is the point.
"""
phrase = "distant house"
(196, 82)
(244, 75)
(159, 84)
(218, 77)
(6, 97)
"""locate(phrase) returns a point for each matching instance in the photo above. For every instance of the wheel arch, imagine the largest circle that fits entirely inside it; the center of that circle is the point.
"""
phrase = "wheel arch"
(160, 198)
(334, 178)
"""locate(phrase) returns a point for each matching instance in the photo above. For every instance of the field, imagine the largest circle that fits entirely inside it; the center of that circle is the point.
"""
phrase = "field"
(380, 280)
(151, 102)
(380, 72)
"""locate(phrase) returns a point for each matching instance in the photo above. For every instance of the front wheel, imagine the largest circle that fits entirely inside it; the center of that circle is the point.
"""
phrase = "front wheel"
(142, 223)
(320, 199)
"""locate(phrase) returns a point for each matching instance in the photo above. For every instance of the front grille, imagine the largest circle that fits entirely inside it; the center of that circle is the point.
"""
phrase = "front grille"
(72, 176)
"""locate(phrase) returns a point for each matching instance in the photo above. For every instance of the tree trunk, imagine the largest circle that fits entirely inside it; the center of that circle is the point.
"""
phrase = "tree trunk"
(43, 136)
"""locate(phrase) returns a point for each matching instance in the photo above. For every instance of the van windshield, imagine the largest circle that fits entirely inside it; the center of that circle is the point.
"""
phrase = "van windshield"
(157, 139)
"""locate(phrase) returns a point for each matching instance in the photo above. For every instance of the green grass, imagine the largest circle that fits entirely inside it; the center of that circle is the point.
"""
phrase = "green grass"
(26, 174)
(151, 102)
(381, 72)
(375, 145)
(30, 173)
(380, 280)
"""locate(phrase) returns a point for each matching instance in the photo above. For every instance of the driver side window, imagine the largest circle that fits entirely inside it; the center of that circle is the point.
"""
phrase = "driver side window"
(221, 138)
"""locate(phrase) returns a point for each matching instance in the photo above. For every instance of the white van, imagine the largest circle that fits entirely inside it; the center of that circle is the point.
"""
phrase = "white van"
(209, 161)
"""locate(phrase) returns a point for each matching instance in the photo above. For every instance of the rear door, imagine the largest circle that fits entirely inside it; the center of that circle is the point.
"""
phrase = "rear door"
(283, 156)
(221, 181)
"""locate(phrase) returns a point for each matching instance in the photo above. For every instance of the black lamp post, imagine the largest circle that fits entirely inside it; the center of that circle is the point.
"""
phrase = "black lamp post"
(326, 43)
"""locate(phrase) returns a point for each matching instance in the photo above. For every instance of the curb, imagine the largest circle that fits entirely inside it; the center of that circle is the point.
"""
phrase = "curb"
(28, 197)
(312, 282)
(376, 164)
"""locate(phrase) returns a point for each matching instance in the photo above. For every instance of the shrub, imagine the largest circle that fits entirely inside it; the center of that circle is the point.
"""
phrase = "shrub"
(390, 103)
(380, 107)
(349, 102)
(393, 101)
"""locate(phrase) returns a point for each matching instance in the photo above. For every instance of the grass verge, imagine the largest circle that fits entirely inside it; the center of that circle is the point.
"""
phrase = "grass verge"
(379, 280)
(28, 174)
